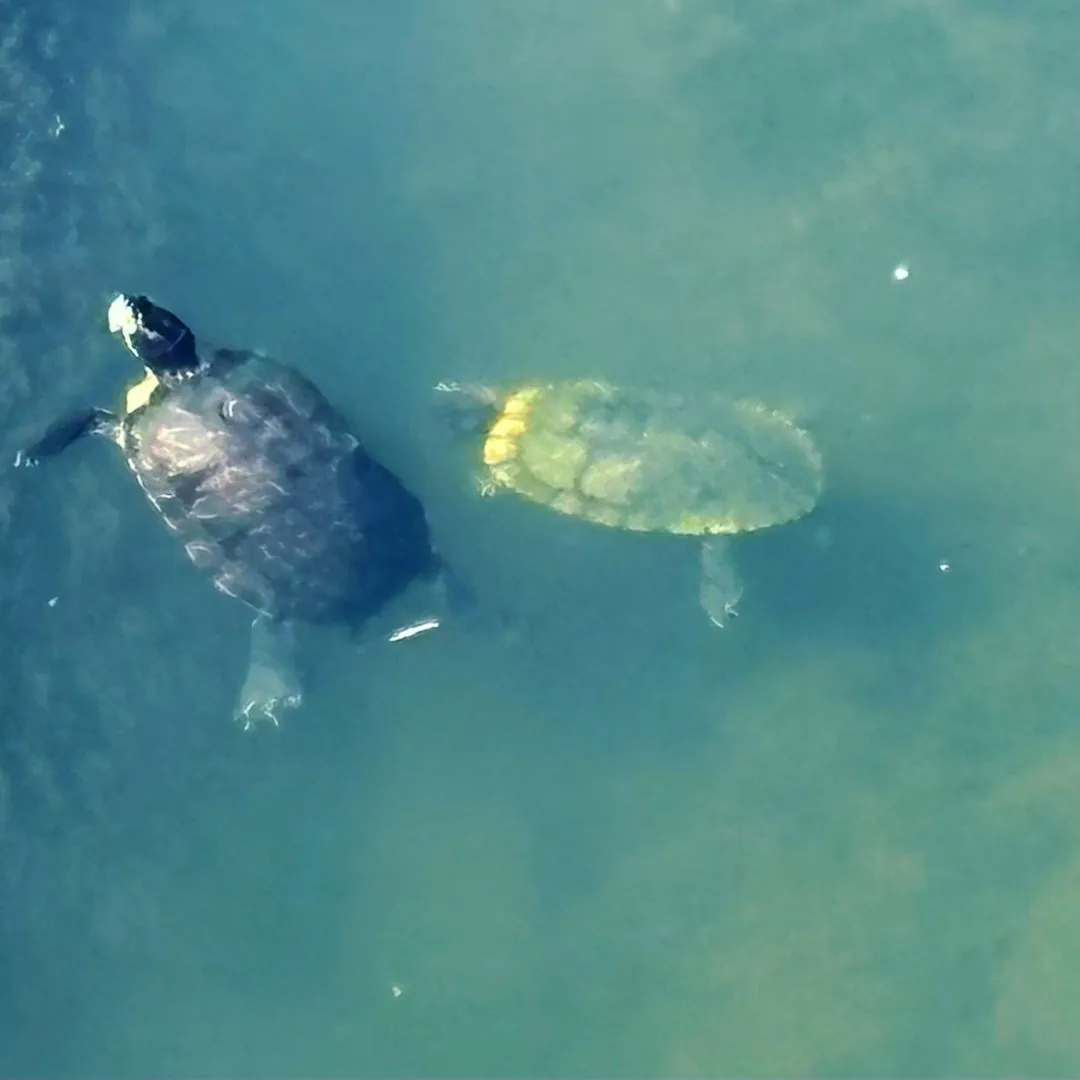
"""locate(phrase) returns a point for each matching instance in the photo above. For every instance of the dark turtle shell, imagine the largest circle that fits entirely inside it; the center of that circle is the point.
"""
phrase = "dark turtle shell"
(270, 492)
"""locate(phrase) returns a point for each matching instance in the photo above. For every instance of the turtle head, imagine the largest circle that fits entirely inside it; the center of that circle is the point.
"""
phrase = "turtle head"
(156, 337)
(467, 408)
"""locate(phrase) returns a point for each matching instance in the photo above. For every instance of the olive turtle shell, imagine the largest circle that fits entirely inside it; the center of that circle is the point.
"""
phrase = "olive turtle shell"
(640, 460)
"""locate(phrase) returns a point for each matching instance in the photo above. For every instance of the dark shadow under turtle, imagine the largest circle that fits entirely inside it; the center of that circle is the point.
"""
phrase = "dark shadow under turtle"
(266, 487)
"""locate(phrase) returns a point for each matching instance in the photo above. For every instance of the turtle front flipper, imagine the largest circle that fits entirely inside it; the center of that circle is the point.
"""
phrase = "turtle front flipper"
(273, 681)
(452, 600)
(68, 429)
(721, 587)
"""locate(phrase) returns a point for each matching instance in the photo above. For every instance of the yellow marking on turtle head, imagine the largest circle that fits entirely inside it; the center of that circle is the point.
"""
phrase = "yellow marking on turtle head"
(123, 321)
(139, 394)
(502, 437)
(520, 402)
(498, 449)
(509, 427)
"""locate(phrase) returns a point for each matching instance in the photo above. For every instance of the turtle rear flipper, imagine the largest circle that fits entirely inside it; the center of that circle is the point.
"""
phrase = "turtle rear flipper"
(721, 587)
(454, 602)
(477, 616)
(273, 680)
(457, 596)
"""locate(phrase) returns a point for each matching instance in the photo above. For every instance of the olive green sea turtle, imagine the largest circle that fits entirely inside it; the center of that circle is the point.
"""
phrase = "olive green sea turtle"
(709, 467)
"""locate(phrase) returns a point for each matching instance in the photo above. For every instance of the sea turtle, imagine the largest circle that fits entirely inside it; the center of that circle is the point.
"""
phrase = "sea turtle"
(640, 460)
(263, 482)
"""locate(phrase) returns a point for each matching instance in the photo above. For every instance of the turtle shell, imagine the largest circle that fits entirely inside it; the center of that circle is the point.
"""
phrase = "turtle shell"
(640, 460)
(269, 491)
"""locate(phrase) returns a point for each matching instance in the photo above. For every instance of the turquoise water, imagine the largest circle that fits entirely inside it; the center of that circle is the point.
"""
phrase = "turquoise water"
(840, 837)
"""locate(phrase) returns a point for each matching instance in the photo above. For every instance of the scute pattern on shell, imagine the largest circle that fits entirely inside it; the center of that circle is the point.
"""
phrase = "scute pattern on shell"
(254, 472)
(649, 462)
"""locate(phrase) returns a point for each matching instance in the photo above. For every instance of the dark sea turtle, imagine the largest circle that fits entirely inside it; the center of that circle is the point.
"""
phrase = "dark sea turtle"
(265, 485)
(639, 460)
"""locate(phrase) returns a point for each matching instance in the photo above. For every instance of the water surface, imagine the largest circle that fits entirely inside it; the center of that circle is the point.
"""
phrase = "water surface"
(840, 837)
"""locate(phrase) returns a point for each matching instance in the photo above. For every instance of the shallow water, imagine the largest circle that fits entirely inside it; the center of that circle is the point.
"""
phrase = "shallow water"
(839, 837)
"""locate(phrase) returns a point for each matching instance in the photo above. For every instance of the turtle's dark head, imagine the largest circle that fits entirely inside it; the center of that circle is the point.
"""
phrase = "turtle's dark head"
(155, 336)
